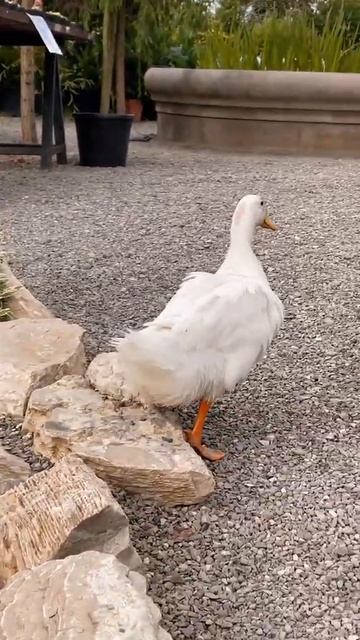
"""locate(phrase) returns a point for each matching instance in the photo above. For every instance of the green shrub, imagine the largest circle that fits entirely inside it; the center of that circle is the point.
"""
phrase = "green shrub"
(9, 67)
(291, 43)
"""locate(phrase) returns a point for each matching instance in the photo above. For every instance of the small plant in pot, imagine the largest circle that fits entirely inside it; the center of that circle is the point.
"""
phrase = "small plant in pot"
(134, 72)
(103, 138)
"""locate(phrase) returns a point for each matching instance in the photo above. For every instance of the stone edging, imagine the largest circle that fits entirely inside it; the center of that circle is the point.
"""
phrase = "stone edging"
(260, 111)
(44, 370)
(47, 533)
(22, 303)
(76, 520)
(45, 355)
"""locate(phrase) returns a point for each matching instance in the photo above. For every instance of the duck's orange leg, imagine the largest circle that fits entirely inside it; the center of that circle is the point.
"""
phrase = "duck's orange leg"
(194, 435)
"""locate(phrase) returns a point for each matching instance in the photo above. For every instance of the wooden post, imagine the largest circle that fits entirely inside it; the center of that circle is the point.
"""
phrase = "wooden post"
(27, 90)
(109, 35)
(120, 61)
(48, 110)
(59, 128)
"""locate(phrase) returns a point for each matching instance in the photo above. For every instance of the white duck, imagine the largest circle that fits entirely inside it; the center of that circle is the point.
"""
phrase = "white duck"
(211, 333)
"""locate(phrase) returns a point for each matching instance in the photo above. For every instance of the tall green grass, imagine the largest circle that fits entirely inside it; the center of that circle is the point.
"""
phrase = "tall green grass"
(291, 43)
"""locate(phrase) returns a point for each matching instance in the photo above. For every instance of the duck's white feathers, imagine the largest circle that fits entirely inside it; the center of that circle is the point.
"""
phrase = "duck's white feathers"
(206, 340)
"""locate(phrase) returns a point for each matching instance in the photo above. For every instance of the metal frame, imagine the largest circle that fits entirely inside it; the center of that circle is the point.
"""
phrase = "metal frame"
(52, 121)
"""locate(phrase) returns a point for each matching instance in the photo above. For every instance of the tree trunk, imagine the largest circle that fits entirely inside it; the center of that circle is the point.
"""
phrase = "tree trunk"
(109, 37)
(27, 90)
(120, 61)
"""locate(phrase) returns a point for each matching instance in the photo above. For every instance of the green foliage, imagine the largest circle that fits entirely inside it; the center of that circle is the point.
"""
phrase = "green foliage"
(291, 43)
(162, 33)
(9, 67)
(232, 12)
(80, 69)
(165, 31)
(330, 9)
(102, 5)
(81, 10)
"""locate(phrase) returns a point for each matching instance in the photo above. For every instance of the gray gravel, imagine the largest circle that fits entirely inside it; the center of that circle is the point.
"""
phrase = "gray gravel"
(275, 553)
(20, 444)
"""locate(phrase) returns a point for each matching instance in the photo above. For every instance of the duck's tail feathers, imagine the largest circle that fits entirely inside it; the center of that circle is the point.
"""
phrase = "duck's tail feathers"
(148, 367)
(143, 347)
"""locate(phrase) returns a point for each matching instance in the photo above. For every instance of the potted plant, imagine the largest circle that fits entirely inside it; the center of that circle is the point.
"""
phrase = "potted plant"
(80, 76)
(133, 82)
(134, 107)
(103, 138)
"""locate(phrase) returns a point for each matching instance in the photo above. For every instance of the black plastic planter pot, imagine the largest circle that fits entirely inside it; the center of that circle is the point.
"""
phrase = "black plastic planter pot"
(103, 139)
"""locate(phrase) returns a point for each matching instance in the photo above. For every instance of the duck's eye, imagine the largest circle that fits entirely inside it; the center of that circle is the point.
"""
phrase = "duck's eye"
(262, 203)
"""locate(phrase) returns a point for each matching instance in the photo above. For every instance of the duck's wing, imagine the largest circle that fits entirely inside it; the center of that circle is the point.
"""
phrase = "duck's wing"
(232, 312)
(213, 341)
(205, 341)
(194, 286)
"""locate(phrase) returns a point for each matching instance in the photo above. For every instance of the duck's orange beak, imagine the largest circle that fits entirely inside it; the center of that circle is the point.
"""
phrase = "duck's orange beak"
(268, 224)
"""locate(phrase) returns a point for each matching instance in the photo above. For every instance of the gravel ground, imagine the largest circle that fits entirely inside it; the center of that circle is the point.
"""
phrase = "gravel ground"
(275, 553)
(20, 444)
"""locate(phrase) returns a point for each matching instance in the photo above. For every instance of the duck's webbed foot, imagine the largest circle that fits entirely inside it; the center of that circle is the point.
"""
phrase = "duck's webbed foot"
(214, 455)
(194, 436)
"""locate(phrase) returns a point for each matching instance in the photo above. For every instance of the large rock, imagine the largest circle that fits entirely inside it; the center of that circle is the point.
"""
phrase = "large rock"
(91, 596)
(13, 470)
(35, 353)
(22, 303)
(140, 450)
(59, 512)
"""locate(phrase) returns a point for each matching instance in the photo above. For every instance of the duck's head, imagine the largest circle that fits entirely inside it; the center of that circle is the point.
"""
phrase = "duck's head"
(250, 213)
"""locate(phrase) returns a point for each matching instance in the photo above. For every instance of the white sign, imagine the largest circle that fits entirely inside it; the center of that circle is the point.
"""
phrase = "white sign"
(45, 34)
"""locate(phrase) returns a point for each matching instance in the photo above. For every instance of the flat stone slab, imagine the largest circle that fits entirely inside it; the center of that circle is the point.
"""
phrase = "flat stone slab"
(91, 596)
(61, 512)
(34, 353)
(140, 450)
(13, 470)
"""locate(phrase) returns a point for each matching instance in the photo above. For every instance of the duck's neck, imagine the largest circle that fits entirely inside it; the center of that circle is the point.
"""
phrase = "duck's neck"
(240, 258)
